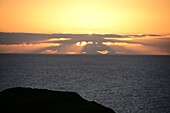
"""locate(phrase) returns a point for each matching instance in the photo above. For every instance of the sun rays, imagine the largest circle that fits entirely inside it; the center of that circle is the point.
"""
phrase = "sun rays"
(84, 43)
(88, 44)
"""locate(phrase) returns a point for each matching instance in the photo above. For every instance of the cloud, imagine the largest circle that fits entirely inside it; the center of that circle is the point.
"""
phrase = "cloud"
(25, 48)
(32, 38)
(49, 52)
(103, 52)
(84, 43)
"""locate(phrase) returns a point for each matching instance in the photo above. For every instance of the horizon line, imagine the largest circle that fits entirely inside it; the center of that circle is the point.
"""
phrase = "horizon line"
(90, 33)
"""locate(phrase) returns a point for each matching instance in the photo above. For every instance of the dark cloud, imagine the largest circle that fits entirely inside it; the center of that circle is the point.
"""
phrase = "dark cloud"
(94, 48)
(67, 42)
(144, 35)
(31, 38)
(19, 38)
(160, 43)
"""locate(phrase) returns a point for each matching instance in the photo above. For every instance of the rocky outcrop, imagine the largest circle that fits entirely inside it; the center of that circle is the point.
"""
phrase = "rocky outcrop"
(27, 100)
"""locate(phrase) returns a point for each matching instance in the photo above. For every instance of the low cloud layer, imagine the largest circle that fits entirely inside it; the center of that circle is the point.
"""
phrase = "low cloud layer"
(156, 44)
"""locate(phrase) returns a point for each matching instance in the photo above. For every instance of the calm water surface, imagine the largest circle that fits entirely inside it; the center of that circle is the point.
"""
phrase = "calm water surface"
(127, 84)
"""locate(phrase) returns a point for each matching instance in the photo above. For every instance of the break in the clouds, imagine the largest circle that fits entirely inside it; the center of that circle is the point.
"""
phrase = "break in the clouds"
(155, 44)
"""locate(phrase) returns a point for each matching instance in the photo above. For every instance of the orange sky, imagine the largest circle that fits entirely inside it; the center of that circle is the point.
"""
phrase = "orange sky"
(83, 16)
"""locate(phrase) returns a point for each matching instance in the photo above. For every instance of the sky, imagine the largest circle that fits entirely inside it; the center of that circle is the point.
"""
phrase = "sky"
(139, 27)
(85, 16)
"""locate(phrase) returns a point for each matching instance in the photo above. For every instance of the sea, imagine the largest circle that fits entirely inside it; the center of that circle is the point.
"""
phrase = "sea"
(124, 83)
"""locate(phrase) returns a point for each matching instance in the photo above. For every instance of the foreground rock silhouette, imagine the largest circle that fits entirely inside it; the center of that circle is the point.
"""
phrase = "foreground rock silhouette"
(27, 100)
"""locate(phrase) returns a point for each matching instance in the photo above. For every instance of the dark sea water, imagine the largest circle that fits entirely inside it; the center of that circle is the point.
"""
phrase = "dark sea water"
(127, 84)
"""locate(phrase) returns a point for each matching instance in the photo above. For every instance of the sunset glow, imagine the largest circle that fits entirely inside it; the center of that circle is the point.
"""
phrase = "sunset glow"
(107, 43)
(85, 26)
(83, 43)
(103, 52)
(82, 16)
(26, 48)
(114, 53)
(59, 39)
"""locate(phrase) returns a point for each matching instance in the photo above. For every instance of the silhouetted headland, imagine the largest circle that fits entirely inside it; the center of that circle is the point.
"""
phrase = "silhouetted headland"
(27, 100)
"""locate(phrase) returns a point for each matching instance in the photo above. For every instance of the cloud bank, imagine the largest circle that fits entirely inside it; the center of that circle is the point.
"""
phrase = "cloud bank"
(140, 44)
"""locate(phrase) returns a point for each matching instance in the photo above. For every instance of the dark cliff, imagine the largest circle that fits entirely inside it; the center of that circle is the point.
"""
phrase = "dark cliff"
(27, 100)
